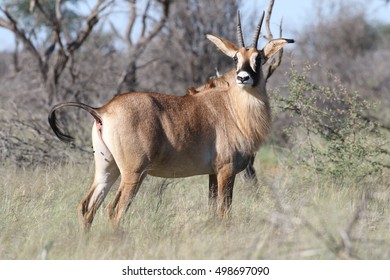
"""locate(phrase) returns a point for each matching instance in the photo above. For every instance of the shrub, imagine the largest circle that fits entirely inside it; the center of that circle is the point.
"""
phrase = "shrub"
(335, 134)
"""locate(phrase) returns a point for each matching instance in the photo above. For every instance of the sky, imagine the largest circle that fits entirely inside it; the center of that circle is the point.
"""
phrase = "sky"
(299, 13)
(296, 14)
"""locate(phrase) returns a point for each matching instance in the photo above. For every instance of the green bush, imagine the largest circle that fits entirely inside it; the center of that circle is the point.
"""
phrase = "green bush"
(335, 133)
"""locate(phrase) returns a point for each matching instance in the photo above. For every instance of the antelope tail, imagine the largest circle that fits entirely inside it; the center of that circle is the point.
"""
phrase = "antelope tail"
(54, 124)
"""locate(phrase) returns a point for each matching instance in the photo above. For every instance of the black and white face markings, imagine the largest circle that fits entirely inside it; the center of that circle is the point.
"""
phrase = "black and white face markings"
(248, 63)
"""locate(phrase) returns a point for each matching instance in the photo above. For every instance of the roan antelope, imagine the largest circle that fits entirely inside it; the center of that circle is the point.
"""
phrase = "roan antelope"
(214, 132)
(224, 81)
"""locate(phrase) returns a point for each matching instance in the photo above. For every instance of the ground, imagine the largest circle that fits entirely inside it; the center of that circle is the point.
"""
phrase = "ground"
(292, 213)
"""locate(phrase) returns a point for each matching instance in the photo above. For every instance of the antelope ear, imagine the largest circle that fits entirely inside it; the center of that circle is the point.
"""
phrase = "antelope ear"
(273, 46)
(224, 45)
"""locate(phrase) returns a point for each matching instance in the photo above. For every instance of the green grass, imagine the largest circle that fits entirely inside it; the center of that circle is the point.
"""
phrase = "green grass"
(291, 214)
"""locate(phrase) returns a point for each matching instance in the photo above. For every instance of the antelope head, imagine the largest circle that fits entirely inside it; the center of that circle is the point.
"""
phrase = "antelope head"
(249, 60)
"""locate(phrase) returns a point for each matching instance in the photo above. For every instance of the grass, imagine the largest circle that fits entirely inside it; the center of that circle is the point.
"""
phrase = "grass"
(291, 214)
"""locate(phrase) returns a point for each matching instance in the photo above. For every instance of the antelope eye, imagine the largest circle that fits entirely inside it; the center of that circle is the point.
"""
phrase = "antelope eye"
(235, 59)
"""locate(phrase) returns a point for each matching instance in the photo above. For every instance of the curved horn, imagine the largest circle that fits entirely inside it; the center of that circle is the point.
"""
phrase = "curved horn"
(239, 32)
(257, 33)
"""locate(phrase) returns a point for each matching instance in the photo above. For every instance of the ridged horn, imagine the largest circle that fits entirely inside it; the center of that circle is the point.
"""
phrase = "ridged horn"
(257, 33)
(240, 38)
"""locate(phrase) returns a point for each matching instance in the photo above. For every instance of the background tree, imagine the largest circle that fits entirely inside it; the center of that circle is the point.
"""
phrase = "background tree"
(171, 55)
(136, 44)
(55, 21)
(347, 45)
(182, 55)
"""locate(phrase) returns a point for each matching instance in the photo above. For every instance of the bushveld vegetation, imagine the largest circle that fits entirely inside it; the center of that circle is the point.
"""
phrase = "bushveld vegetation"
(323, 176)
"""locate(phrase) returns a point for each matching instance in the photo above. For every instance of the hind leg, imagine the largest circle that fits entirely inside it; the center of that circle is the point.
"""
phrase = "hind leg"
(130, 183)
(106, 173)
(249, 173)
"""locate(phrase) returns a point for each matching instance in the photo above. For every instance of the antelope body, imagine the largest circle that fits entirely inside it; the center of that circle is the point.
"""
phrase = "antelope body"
(213, 132)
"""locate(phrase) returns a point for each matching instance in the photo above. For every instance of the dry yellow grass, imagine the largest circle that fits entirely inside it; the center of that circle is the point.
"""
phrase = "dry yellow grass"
(290, 214)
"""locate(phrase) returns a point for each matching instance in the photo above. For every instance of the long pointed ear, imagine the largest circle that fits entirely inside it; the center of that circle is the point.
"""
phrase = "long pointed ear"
(273, 46)
(224, 45)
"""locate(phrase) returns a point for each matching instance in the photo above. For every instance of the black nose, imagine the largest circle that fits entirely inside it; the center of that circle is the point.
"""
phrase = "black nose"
(242, 79)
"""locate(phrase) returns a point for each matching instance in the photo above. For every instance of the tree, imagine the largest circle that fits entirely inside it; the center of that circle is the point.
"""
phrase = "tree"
(29, 20)
(150, 28)
(347, 45)
(184, 56)
(338, 38)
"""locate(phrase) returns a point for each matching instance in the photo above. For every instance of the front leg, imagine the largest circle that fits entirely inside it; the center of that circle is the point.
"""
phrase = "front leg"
(225, 179)
(213, 192)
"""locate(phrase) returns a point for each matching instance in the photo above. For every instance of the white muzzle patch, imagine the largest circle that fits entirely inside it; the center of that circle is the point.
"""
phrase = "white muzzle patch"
(244, 79)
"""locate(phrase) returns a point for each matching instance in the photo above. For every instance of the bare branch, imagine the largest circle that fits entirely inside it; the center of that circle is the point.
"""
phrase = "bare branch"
(12, 25)
(55, 26)
(144, 17)
(128, 78)
(58, 27)
(5, 24)
(275, 63)
(92, 20)
(148, 62)
(58, 10)
(50, 49)
(130, 25)
(15, 56)
(31, 6)
(43, 12)
(115, 31)
(52, 70)
(157, 27)
(268, 19)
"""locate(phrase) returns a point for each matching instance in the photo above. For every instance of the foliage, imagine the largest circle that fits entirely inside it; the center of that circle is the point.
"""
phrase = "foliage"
(341, 139)
(345, 42)
(60, 49)
(34, 23)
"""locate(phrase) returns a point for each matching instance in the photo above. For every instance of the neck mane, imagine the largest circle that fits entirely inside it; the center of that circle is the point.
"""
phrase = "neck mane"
(251, 111)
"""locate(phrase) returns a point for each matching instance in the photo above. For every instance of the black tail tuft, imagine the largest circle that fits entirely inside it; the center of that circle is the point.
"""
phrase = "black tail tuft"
(54, 124)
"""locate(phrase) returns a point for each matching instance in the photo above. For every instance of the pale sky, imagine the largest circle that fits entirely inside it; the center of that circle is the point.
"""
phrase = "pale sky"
(299, 13)
(295, 13)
